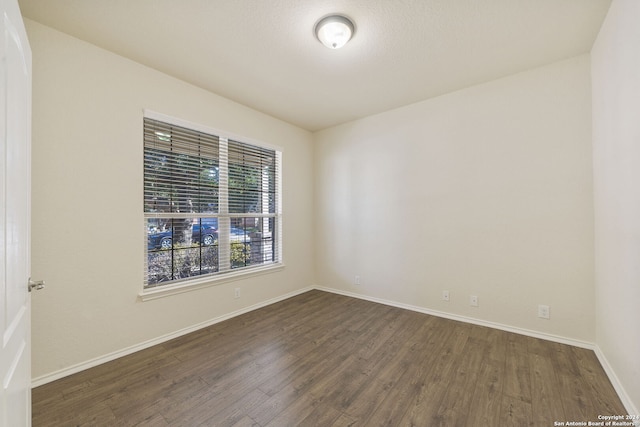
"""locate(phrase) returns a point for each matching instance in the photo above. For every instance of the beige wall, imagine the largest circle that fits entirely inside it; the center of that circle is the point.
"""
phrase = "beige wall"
(615, 61)
(87, 202)
(486, 191)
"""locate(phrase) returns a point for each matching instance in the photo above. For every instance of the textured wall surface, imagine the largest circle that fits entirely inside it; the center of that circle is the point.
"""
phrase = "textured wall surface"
(486, 191)
(87, 233)
(615, 60)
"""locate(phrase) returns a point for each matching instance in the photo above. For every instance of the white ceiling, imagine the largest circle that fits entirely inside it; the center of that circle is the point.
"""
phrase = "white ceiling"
(263, 53)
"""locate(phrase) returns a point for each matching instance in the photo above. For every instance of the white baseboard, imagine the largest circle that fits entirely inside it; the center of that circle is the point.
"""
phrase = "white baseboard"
(47, 378)
(465, 319)
(624, 397)
(622, 393)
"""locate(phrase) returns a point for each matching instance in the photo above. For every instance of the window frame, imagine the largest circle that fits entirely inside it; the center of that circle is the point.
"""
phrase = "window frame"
(228, 274)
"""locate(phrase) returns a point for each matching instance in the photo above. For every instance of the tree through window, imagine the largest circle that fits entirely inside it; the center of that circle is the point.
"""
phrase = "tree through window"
(211, 204)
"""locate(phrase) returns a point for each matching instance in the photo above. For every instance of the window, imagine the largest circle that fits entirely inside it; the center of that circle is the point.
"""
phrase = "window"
(211, 204)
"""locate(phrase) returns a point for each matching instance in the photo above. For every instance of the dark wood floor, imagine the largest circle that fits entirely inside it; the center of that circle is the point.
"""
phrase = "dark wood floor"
(320, 359)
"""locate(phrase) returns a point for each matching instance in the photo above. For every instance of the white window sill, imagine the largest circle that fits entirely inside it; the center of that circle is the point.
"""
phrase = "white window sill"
(205, 282)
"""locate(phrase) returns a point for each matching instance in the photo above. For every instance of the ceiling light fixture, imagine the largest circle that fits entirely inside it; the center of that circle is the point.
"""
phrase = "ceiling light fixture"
(334, 31)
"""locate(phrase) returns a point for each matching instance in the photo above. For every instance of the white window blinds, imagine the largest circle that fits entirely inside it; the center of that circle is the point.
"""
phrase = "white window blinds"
(211, 204)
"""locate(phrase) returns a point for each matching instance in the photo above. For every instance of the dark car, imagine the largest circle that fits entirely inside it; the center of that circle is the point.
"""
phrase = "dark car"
(204, 231)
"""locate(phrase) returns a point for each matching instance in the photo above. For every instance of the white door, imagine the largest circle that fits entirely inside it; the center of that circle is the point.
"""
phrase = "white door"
(15, 218)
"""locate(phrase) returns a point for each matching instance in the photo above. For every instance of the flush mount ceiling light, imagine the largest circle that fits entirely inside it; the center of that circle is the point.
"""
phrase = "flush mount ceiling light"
(334, 31)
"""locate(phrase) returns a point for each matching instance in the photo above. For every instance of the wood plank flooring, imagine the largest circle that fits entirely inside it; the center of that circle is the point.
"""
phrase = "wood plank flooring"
(320, 359)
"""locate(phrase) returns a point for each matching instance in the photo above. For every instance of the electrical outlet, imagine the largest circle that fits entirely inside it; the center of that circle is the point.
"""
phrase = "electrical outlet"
(473, 300)
(543, 311)
(236, 293)
(445, 295)
(356, 280)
